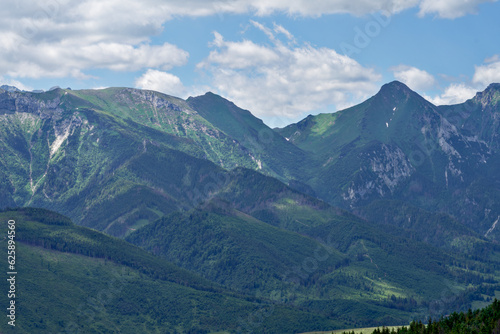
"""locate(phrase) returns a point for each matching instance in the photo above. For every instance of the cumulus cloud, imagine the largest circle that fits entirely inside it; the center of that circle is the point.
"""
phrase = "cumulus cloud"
(484, 74)
(61, 38)
(69, 58)
(70, 38)
(15, 83)
(450, 9)
(242, 54)
(157, 10)
(283, 80)
(67, 38)
(149, 14)
(162, 82)
(321, 7)
(413, 77)
(453, 94)
(487, 73)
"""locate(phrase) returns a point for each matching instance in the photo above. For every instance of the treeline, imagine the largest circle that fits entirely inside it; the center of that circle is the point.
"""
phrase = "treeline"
(486, 320)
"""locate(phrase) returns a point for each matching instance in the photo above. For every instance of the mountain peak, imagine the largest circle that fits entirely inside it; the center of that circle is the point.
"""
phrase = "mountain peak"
(493, 86)
(397, 92)
(10, 88)
(208, 94)
(491, 95)
(214, 103)
(393, 87)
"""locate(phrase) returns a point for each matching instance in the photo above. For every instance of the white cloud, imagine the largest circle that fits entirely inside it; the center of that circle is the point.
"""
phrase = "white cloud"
(487, 73)
(453, 94)
(151, 13)
(286, 81)
(322, 7)
(413, 77)
(492, 59)
(450, 9)
(70, 58)
(242, 54)
(281, 30)
(271, 34)
(67, 38)
(162, 82)
(15, 83)
(70, 38)
(60, 38)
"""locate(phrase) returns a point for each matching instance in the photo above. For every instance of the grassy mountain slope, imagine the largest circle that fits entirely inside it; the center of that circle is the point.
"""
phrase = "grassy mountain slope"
(173, 116)
(97, 165)
(275, 203)
(276, 156)
(118, 158)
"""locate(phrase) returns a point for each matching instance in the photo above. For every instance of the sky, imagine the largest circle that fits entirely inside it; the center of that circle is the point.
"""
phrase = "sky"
(282, 60)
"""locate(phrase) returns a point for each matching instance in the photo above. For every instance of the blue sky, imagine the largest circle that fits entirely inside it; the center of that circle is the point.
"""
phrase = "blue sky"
(282, 60)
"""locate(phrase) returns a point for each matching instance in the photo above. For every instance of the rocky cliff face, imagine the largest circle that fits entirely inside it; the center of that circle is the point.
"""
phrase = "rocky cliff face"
(387, 168)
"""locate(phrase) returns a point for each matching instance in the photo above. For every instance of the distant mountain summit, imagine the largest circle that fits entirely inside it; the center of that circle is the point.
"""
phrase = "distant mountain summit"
(273, 153)
(397, 145)
(9, 88)
(491, 95)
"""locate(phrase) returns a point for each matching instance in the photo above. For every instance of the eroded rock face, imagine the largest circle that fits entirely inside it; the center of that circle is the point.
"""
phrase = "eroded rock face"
(386, 168)
(17, 102)
(391, 166)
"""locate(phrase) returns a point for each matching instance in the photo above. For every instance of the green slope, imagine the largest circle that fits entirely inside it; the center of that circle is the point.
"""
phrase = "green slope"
(277, 156)
(230, 248)
(72, 279)
(119, 158)
(340, 265)
(106, 171)
(173, 116)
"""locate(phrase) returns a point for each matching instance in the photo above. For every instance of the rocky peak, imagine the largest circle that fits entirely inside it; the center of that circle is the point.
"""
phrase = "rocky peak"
(10, 88)
(490, 96)
(394, 88)
(397, 94)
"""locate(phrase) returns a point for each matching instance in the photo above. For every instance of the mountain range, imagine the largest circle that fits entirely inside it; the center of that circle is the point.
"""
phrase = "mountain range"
(374, 215)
